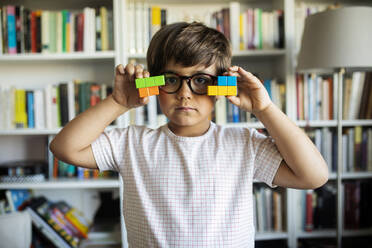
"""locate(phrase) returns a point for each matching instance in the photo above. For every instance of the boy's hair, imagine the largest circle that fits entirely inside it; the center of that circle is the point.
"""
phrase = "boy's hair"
(188, 44)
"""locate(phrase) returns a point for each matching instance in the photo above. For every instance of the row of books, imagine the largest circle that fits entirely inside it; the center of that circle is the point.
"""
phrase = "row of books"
(325, 140)
(57, 104)
(358, 204)
(357, 149)
(51, 107)
(319, 207)
(226, 112)
(246, 28)
(60, 223)
(317, 96)
(43, 31)
(60, 169)
(269, 209)
(250, 28)
(314, 97)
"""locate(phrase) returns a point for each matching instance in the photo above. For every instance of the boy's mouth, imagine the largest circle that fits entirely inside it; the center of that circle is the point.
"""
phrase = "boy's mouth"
(185, 108)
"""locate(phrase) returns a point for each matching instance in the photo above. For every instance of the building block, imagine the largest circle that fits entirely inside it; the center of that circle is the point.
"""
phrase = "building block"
(232, 90)
(140, 83)
(212, 90)
(159, 80)
(153, 90)
(231, 81)
(149, 81)
(222, 90)
(222, 80)
(143, 92)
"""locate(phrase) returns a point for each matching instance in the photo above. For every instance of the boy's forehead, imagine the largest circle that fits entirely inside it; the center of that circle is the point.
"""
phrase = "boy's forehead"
(181, 69)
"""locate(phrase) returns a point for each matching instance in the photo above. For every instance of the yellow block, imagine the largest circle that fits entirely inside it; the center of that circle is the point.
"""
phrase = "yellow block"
(222, 90)
(232, 90)
(212, 90)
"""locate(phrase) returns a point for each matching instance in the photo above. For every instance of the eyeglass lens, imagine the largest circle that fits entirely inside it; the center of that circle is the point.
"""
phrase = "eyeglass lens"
(199, 83)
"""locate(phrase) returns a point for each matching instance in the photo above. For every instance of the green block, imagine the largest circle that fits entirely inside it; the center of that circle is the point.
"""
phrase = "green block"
(140, 83)
(150, 82)
(159, 80)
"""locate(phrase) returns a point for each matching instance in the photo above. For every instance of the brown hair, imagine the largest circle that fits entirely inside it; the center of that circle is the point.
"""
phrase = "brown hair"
(188, 44)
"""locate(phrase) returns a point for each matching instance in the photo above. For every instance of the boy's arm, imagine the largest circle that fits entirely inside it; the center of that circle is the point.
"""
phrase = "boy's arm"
(73, 143)
(303, 165)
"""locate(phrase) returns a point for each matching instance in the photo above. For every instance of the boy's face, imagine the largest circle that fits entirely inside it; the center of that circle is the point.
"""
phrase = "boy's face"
(184, 109)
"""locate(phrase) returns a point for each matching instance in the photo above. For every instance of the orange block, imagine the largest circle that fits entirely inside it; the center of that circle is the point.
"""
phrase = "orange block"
(153, 90)
(143, 92)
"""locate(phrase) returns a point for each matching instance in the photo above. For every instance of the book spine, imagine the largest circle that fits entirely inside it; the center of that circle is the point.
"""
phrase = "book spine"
(11, 21)
(30, 109)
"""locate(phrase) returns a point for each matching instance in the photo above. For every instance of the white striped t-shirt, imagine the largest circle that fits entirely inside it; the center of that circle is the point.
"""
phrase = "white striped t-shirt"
(188, 191)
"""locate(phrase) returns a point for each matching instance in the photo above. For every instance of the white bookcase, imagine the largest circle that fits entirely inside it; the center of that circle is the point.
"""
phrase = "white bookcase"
(37, 70)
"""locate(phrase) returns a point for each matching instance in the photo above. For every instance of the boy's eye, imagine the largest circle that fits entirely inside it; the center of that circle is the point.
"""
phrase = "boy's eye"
(171, 79)
(202, 79)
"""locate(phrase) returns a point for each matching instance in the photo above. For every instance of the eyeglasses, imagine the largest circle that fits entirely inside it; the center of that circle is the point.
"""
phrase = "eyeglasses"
(198, 83)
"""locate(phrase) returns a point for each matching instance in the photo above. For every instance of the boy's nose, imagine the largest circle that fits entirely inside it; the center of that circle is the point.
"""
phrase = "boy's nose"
(185, 91)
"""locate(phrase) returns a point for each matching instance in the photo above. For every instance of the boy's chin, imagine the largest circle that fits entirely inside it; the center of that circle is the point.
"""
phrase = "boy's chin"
(186, 121)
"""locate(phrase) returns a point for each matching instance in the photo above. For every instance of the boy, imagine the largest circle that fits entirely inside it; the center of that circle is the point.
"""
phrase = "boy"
(189, 183)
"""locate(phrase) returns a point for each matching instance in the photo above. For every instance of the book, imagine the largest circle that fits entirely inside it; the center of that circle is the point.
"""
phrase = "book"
(309, 211)
(39, 210)
(20, 109)
(30, 109)
(11, 29)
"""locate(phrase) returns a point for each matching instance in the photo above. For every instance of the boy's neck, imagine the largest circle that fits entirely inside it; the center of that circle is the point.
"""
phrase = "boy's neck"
(190, 131)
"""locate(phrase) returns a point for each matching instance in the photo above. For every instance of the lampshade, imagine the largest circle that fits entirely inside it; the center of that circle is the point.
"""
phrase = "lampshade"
(338, 38)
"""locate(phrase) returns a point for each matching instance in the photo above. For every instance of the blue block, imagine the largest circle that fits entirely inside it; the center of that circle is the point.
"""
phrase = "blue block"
(222, 81)
(231, 81)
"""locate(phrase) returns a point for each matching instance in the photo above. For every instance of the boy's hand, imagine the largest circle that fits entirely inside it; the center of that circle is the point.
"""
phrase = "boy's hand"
(125, 92)
(252, 95)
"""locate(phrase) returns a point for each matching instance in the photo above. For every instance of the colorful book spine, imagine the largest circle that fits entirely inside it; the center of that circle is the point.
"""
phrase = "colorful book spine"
(12, 39)
(30, 109)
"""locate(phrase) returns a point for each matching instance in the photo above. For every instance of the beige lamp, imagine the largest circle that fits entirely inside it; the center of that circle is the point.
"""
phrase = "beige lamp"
(334, 41)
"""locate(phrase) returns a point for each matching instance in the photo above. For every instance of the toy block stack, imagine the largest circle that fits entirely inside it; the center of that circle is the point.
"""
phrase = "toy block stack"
(149, 86)
(226, 86)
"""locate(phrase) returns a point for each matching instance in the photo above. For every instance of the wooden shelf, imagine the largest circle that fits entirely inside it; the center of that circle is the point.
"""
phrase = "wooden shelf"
(320, 123)
(57, 56)
(357, 175)
(29, 131)
(351, 123)
(32, 131)
(327, 233)
(65, 184)
(271, 235)
(333, 123)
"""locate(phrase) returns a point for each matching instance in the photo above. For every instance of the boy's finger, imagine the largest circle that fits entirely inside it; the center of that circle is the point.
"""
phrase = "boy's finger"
(120, 69)
(234, 100)
(144, 100)
(249, 76)
(129, 69)
(146, 73)
(234, 68)
(139, 70)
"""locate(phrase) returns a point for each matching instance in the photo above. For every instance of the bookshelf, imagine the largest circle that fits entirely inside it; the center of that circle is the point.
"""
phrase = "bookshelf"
(38, 70)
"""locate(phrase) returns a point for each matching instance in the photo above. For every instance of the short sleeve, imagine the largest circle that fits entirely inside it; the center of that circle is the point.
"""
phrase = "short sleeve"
(108, 149)
(267, 158)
